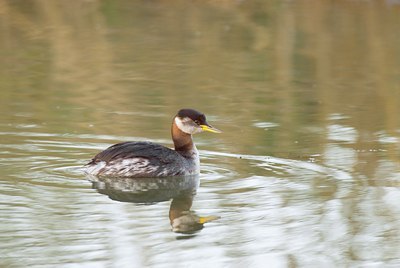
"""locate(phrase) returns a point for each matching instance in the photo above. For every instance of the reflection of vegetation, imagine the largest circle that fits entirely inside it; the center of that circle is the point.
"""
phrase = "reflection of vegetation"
(294, 64)
(291, 63)
(303, 65)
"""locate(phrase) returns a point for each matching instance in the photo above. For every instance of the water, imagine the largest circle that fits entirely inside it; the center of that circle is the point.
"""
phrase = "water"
(306, 173)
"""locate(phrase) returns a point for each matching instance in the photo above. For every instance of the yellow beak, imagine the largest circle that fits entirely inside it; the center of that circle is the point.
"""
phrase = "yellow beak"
(203, 220)
(210, 129)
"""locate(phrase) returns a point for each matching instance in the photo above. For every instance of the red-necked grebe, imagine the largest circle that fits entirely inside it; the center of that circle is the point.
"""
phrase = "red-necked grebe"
(147, 159)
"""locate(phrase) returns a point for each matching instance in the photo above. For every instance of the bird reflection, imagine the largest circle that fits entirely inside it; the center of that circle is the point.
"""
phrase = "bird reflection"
(182, 219)
(152, 190)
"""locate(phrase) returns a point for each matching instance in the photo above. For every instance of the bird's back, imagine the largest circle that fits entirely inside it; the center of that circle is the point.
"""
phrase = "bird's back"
(140, 159)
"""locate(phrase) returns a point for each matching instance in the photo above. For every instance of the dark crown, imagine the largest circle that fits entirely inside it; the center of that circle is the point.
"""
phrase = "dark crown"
(192, 114)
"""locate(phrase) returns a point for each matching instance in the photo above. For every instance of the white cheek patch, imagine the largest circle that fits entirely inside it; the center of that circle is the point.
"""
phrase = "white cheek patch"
(186, 125)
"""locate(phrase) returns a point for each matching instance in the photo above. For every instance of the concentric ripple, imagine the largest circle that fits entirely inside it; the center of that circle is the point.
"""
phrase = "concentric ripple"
(51, 211)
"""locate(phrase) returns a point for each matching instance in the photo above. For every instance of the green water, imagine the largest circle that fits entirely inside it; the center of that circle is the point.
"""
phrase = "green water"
(305, 174)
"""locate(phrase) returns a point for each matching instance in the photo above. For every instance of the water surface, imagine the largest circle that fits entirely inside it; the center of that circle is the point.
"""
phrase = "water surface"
(306, 173)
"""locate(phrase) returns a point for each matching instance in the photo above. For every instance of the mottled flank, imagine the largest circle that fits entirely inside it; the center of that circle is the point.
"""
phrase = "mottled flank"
(142, 159)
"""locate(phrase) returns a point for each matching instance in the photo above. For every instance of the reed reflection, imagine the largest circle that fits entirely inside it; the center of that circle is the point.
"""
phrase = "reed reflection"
(153, 190)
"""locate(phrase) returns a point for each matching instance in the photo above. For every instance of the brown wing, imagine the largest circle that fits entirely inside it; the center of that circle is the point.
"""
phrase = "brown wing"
(125, 150)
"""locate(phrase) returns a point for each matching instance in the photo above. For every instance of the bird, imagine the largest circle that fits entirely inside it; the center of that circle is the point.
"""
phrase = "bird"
(143, 159)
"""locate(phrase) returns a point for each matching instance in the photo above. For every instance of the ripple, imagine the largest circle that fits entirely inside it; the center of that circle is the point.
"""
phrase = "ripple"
(282, 166)
(384, 138)
(265, 125)
(338, 132)
(49, 206)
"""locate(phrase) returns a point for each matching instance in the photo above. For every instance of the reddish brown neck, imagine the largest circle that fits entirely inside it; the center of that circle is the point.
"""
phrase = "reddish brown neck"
(182, 141)
(179, 205)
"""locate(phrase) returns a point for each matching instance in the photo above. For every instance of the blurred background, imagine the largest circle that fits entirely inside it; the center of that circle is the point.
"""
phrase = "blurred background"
(307, 93)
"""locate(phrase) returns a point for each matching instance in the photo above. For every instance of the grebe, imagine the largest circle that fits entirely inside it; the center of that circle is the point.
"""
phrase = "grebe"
(147, 159)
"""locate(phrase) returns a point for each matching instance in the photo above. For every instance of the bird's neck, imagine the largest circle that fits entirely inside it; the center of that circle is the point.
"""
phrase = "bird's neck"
(182, 141)
(179, 205)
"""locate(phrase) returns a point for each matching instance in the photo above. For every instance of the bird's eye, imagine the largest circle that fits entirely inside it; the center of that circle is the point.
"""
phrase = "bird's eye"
(197, 122)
